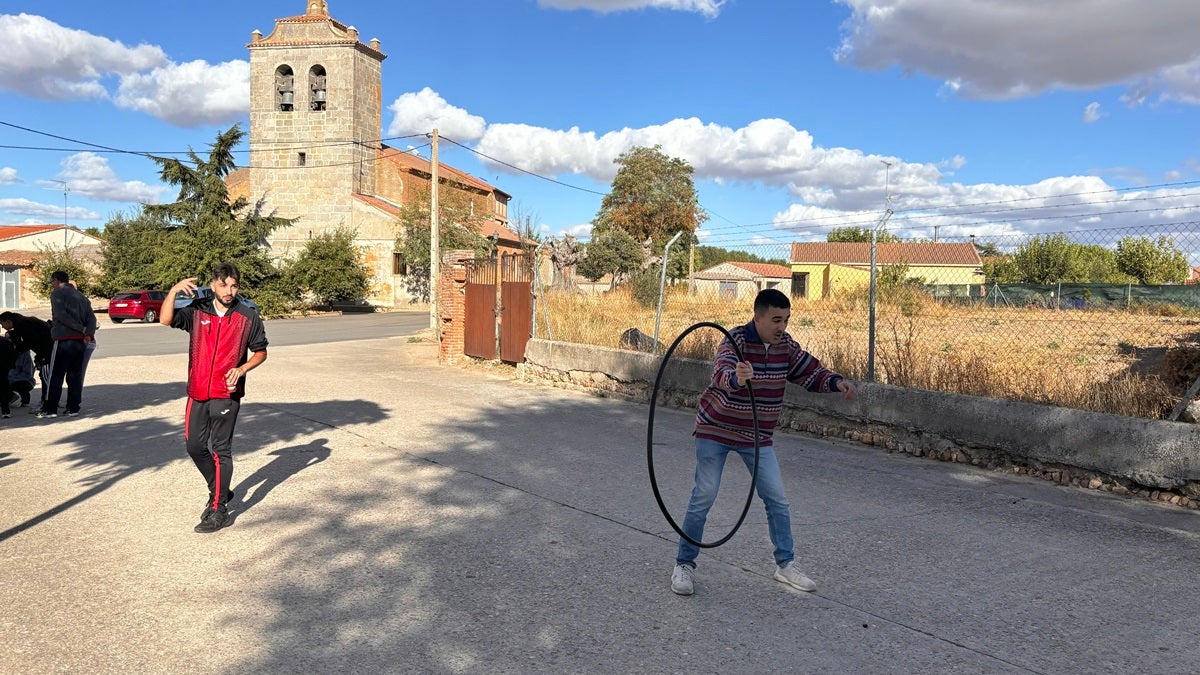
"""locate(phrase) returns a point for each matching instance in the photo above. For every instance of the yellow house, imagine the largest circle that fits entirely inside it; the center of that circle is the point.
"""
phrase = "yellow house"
(821, 269)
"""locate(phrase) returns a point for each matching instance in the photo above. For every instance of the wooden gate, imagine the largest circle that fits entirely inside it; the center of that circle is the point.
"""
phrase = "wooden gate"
(479, 324)
(516, 306)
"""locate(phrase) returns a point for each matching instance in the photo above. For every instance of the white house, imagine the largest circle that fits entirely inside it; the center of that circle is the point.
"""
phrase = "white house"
(21, 244)
(742, 280)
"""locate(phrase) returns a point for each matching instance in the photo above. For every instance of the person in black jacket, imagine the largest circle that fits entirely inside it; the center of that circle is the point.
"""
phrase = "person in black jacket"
(72, 328)
(31, 334)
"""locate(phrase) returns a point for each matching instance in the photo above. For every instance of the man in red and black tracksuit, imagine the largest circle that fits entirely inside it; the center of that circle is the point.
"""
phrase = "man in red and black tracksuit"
(223, 330)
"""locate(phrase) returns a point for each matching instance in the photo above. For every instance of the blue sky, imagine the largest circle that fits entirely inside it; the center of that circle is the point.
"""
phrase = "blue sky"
(1055, 115)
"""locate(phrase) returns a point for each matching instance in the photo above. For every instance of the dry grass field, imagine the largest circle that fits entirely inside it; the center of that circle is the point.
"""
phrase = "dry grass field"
(1103, 360)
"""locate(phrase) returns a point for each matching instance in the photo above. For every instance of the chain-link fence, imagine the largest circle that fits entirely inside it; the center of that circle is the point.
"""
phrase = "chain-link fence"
(1105, 320)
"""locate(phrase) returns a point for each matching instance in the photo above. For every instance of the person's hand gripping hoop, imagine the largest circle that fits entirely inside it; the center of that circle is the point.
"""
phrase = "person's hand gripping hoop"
(744, 373)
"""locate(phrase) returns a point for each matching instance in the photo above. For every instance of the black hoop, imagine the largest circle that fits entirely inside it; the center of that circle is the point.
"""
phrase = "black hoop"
(650, 437)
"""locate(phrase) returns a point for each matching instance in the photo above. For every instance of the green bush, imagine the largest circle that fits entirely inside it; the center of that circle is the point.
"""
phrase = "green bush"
(645, 286)
(330, 268)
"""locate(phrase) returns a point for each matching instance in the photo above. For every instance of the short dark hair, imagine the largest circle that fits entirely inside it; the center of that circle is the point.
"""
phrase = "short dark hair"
(8, 316)
(226, 270)
(60, 276)
(770, 297)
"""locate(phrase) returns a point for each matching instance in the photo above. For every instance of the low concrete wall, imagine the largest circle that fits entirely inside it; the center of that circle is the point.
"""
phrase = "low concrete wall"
(1151, 458)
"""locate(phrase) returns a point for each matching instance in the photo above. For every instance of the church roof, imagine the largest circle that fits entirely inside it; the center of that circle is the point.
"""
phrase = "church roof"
(412, 162)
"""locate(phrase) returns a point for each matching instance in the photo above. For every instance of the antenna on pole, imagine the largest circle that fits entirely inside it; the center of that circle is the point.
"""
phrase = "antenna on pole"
(66, 188)
(887, 175)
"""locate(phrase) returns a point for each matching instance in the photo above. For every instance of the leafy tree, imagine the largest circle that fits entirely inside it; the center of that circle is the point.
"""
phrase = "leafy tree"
(613, 251)
(1099, 265)
(652, 197)
(458, 229)
(331, 268)
(1151, 262)
(859, 234)
(707, 256)
(131, 247)
(1001, 270)
(987, 250)
(94, 231)
(1049, 259)
(52, 258)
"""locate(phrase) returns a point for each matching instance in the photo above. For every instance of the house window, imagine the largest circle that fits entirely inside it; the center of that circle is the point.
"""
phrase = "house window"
(772, 284)
(727, 290)
(302, 158)
(285, 88)
(399, 267)
(316, 85)
(799, 284)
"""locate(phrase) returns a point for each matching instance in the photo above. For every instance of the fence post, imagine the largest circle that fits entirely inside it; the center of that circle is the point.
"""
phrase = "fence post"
(871, 316)
(536, 289)
(662, 287)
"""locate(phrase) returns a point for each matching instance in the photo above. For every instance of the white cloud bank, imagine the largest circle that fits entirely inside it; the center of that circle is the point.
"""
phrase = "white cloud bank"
(45, 212)
(709, 8)
(833, 186)
(89, 174)
(1019, 48)
(48, 61)
(426, 110)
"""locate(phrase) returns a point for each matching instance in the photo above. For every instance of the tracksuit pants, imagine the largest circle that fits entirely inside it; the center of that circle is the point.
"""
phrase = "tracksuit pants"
(208, 430)
(66, 363)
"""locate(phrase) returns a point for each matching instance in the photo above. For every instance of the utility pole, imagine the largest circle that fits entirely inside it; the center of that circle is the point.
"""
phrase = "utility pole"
(692, 266)
(435, 256)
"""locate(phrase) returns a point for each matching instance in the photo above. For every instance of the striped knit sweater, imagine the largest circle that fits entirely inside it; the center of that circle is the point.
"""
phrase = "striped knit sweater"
(724, 410)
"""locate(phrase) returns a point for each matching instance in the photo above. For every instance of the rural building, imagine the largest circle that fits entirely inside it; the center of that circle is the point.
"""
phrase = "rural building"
(741, 280)
(821, 269)
(316, 153)
(19, 247)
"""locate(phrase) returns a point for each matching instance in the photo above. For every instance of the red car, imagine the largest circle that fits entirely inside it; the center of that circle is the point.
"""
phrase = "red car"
(141, 305)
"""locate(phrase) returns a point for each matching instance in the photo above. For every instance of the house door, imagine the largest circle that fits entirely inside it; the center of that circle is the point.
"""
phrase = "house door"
(10, 287)
(799, 284)
(479, 323)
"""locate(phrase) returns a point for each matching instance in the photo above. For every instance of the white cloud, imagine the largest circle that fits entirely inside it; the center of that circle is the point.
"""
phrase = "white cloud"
(47, 212)
(1019, 48)
(423, 111)
(89, 174)
(45, 60)
(709, 8)
(8, 176)
(1092, 113)
(581, 231)
(189, 94)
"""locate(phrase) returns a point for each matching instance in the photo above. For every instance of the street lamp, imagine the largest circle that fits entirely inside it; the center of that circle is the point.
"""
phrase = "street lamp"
(66, 188)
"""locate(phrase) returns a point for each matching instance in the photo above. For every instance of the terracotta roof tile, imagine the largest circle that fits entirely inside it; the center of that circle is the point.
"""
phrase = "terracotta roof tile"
(410, 161)
(17, 258)
(765, 269)
(15, 231)
(891, 253)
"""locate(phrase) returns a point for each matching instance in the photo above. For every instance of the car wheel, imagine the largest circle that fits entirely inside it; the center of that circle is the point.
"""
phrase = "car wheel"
(116, 320)
(151, 316)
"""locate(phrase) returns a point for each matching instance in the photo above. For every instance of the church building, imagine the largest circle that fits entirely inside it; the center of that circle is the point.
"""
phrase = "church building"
(316, 155)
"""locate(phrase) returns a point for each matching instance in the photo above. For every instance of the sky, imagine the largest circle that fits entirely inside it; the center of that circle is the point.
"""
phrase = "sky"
(968, 117)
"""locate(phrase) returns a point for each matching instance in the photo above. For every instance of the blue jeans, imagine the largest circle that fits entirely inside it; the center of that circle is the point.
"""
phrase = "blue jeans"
(710, 461)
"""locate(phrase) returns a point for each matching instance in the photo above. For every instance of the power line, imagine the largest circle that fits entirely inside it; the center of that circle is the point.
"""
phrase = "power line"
(517, 168)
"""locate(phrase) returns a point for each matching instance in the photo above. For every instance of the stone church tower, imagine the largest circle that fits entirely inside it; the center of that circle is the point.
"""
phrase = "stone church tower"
(315, 122)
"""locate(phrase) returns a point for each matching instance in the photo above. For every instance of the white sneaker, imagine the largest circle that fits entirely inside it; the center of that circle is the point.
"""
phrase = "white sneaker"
(681, 580)
(791, 576)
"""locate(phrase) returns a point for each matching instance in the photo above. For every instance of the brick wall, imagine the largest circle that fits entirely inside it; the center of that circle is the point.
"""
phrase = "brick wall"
(452, 304)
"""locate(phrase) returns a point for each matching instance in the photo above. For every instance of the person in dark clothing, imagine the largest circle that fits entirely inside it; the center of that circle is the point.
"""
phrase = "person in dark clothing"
(20, 377)
(8, 359)
(222, 330)
(31, 334)
(72, 327)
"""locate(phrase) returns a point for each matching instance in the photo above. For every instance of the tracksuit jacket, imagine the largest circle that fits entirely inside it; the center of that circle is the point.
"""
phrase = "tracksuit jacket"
(218, 343)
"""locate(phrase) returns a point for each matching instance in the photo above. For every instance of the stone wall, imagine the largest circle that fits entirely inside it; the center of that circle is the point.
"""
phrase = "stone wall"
(1149, 458)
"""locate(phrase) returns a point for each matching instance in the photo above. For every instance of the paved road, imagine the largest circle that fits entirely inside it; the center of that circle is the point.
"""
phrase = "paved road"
(412, 518)
(134, 338)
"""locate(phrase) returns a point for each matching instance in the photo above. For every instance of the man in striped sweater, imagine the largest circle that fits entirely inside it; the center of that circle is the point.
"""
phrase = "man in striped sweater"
(724, 425)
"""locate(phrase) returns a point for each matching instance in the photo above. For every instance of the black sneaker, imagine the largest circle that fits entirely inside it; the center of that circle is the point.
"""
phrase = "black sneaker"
(71, 414)
(228, 501)
(214, 519)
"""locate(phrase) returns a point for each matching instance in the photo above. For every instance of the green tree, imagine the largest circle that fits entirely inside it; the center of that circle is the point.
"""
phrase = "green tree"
(458, 229)
(1099, 265)
(613, 251)
(986, 249)
(859, 234)
(707, 256)
(131, 247)
(52, 258)
(205, 227)
(652, 197)
(1001, 270)
(1049, 259)
(1151, 262)
(331, 268)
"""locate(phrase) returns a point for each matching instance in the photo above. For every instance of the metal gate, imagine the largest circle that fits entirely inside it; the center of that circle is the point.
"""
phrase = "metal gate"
(516, 306)
(479, 324)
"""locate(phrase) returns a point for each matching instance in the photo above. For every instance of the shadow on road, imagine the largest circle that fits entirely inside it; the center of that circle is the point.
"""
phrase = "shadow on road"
(288, 462)
(114, 451)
